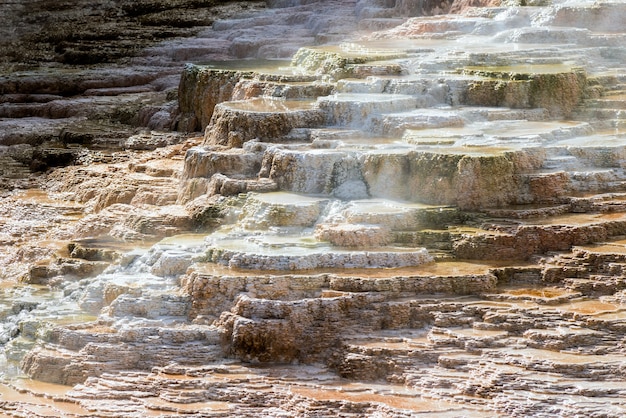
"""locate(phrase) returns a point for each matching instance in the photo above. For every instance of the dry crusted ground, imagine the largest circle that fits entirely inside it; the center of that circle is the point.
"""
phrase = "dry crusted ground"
(81, 32)
(72, 87)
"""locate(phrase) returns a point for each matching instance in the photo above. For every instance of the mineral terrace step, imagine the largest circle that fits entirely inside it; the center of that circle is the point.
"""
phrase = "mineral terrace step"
(372, 69)
(517, 240)
(353, 109)
(396, 216)
(394, 124)
(607, 202)
(591, 113)
(609, 101)
(505, 133)
(562, 162)
(202, 162)
(298, 259)
(380, 23)
(534, 211)
(336, 60)
(427, 89)
(265, 119)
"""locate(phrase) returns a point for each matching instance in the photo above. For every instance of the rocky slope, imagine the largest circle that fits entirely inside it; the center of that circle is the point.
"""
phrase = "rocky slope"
(423, 218)
(79, 75)
(78, 32)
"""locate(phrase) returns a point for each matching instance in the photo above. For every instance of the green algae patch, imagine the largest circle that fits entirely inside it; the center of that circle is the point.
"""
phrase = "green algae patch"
(559, 93)
(468, 180)
(555, 87)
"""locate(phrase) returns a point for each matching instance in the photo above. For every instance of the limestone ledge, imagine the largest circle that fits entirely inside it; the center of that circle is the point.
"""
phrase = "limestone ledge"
(350, 235)
(203, 87)
(267, 326)
(73, 358)
(467, 180)
(559, 93)
(536, 329)
(386, 258)
(523, 241)
(233, 127)
(213, 294)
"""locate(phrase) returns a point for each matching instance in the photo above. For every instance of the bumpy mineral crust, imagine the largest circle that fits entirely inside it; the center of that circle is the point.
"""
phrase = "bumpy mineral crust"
(307, 209)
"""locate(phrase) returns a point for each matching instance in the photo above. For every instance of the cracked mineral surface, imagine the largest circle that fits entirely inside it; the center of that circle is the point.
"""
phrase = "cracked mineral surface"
(313, 208)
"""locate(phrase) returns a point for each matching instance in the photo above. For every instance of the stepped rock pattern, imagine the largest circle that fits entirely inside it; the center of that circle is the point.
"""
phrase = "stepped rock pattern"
(354, 208)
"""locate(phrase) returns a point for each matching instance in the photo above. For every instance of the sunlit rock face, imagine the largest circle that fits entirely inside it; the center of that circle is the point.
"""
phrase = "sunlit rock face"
(427, 219)
(235, 123)
(203, 87)
(200, 162)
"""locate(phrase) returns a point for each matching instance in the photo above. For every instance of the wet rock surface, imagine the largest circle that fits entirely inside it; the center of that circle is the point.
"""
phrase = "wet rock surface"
(416, 213)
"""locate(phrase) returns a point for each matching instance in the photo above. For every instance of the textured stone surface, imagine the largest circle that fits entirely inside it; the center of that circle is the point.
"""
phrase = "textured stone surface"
(200, 91)
(233, 127)
(418, 250)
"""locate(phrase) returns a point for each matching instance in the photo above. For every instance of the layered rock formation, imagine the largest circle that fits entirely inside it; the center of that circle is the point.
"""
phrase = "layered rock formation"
(55, 101)
(424, 220)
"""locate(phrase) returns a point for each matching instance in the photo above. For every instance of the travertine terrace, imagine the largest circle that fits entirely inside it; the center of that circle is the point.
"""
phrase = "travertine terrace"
(368, 208)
